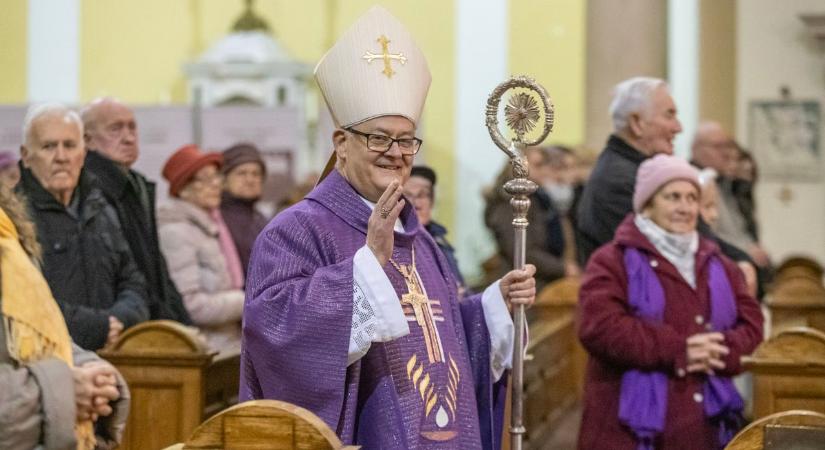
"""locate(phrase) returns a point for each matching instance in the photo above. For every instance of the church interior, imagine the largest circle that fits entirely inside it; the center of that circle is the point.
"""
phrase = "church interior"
(238, 77)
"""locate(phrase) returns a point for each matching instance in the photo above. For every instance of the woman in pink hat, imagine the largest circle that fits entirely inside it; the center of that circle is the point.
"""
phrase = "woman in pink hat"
(198, 247)
(665, 318)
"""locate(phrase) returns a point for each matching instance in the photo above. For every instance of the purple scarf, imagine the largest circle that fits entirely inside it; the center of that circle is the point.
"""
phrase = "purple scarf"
(643, 397)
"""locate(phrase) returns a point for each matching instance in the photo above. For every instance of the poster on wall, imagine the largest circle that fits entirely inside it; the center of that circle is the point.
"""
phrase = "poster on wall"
(785, 138)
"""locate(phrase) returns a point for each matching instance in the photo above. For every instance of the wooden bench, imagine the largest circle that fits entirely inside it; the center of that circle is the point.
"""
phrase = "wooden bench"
(786, 430)
(797, 266)
(557, 299)
(175, 381)
(549, 384)
(264, 424)
(788, 372)
(797, 296)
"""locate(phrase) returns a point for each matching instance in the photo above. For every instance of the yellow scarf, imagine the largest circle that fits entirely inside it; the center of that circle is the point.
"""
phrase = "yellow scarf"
(34, 325)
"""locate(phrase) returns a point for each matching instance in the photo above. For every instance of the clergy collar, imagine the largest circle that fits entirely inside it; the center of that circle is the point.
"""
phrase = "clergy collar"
(336, 194)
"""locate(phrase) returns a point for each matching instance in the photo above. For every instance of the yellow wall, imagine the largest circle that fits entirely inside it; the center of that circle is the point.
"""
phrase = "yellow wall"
(13, 45)
(547, 41)
(135, 50)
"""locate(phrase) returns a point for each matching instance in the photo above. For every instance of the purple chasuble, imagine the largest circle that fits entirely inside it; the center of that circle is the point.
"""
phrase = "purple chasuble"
(421, 391)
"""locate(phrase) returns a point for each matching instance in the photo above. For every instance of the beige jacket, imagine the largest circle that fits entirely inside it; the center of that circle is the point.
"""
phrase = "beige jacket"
(189, 242)
(37, 403)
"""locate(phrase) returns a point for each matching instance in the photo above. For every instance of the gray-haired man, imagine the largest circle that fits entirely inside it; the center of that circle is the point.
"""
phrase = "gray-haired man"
(644, 124)
(86, 260)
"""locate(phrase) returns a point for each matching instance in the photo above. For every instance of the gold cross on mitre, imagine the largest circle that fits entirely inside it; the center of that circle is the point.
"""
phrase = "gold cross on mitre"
(386, 56)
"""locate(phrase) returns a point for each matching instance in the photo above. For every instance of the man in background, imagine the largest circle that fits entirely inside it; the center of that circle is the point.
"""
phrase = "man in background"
(714, 148)
(644, 124)
(86, 260)
(112, 139)
(420, 190)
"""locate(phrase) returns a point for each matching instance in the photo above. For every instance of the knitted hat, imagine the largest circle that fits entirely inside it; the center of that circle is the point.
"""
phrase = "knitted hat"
(184, 164)
(241, 154)
(657, 172)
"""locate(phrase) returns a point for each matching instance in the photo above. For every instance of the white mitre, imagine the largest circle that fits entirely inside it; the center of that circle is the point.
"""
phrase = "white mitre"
(375, 69)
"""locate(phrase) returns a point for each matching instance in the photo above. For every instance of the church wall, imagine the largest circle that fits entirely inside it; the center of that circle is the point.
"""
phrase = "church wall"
(623, 39)
(547, 41)
(775, 49)
(717, 61)
(13, 43)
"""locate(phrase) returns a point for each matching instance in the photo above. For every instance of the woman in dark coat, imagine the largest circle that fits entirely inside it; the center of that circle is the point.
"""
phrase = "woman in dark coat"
(665, 318)
(244, 171)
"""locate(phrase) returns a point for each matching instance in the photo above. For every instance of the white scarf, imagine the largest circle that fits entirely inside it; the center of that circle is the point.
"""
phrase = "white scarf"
(679, 249)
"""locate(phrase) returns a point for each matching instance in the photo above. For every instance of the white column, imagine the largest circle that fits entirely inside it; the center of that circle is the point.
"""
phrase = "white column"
(482, 41)
(54, 51)
(683, 67)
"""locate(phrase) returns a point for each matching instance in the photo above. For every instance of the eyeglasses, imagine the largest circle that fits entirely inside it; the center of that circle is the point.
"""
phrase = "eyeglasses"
(382, 144)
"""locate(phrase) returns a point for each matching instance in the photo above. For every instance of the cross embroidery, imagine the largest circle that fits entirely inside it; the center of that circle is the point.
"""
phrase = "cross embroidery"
(423, 313)
(386, 56)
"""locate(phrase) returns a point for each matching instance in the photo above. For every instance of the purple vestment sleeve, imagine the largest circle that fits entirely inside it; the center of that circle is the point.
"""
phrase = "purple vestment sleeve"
(490, 396)
(296, 303)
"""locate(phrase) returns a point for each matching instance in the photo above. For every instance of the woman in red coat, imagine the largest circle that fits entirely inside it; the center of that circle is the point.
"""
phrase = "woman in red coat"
(665, 318)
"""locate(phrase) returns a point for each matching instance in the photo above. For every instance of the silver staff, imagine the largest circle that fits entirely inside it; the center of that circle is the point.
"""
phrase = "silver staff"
(521, 113)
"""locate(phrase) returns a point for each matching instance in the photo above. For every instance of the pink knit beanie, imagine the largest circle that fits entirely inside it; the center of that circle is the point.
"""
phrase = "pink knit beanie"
(658, 171)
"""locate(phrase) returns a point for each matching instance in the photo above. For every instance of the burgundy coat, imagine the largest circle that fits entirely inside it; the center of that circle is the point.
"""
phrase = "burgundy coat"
(616, 341)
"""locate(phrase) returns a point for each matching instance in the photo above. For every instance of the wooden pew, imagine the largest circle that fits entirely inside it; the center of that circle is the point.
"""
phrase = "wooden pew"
(795, 429)
(264, 424)
(797, 266)
(549, 378)
(554, 366)
(788, 372)
(797, 296)
(557, 299)
(175, 381)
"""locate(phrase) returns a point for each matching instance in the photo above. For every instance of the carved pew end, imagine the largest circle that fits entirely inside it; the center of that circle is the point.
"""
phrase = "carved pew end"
(786, 430)
(788, 372)
(264, 424)
(175, 380)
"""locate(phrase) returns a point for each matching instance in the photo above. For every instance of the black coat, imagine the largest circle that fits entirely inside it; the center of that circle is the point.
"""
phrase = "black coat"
(439, 234)
(86, 261)
(140, 230)
(607, 196)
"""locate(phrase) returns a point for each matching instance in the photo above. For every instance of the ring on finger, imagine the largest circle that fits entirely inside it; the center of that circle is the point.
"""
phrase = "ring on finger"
(384, 212)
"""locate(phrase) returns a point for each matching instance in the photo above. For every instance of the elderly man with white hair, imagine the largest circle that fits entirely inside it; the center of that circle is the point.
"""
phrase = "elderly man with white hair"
(644, 124)
(86, 260)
